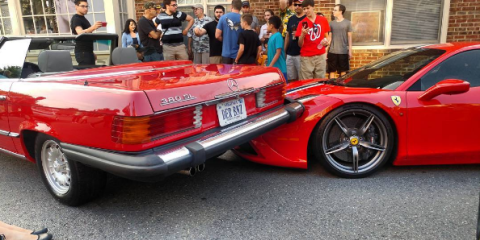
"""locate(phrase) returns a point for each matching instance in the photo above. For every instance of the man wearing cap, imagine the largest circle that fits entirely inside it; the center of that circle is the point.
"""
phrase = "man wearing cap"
(246, 10)
(210, 28)
(201, 49)
(149, 35)
(171, 20)
(291, 42)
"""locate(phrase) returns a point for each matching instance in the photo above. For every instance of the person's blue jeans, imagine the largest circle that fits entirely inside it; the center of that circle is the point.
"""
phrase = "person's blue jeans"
(153, 57)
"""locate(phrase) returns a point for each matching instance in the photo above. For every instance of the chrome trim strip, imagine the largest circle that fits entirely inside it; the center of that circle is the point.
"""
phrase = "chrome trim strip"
(15, 135)
(307, 98)
(243, 128)
(4, 133)
(60, 78)
(230, 132)
(12, 153)
(272, 85)
(305, 87)
(235, 94)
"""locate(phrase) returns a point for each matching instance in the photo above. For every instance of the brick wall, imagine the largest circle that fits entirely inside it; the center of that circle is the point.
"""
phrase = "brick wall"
(464, 21)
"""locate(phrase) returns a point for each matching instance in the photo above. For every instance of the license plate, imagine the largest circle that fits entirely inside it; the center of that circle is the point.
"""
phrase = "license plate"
(231, 111)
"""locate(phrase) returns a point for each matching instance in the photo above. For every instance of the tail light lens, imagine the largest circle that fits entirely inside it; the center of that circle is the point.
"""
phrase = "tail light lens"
(270, 95)
(137, 130)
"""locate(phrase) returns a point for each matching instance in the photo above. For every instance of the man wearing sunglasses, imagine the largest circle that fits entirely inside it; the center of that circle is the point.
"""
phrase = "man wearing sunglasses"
(149, 35)
(291, 42)
(171, 20)
(79, 24)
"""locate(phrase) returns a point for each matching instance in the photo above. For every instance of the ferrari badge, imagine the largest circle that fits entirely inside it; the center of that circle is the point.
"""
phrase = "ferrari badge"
(396, 100)
(354, 141)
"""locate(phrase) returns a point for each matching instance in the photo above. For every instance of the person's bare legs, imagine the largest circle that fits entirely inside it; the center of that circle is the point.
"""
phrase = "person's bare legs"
(342, 73)
(16, 235)
(14, 228)
(332, 75)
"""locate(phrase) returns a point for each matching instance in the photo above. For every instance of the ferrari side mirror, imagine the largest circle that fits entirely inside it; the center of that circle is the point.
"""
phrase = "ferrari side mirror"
(449, 86)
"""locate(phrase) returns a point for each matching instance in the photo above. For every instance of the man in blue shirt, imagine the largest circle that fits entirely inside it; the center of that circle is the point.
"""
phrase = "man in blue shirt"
(228, 30)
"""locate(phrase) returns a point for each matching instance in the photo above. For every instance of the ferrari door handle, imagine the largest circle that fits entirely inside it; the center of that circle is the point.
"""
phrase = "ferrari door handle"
(3, 98)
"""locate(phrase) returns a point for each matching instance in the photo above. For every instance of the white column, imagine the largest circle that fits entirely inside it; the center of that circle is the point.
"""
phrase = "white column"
(112, 17)
(15, 18)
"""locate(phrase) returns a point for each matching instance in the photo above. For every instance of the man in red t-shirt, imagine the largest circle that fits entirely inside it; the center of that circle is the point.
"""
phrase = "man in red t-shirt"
(312, 33)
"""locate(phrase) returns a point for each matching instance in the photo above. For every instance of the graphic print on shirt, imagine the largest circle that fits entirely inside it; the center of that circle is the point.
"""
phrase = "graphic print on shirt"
(315, 32)
(232, 25)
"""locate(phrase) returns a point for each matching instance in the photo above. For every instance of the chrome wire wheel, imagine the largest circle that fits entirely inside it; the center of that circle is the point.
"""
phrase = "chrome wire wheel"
(56, 167)
(355, 142)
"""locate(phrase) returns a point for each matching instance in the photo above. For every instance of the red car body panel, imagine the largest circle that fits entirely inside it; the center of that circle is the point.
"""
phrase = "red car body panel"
(45, 104)
(440, 131)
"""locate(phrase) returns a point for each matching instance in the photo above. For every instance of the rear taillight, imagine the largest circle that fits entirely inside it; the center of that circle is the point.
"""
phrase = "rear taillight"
(137, 130)
(270, 95)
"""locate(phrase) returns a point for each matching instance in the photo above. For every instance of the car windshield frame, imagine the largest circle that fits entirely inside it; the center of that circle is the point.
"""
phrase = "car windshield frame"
(363, 77)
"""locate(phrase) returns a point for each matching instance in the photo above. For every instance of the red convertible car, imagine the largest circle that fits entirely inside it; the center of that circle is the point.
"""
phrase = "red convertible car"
(142, 121)
(416, 106)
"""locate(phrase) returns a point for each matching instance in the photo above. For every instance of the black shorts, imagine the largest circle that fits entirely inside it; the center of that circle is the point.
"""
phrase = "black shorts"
(337, 63)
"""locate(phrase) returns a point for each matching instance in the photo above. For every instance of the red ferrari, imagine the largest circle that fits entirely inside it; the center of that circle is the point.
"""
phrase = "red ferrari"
(417, 106)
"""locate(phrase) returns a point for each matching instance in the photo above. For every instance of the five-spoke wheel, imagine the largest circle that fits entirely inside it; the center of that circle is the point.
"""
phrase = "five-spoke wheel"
(353, 141)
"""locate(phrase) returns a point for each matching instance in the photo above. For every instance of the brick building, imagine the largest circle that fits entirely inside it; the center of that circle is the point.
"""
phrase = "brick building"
(381, 26)
(391, 24)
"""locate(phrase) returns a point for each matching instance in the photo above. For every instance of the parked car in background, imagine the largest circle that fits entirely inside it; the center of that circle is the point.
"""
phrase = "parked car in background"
(417, 106)
(142, 121)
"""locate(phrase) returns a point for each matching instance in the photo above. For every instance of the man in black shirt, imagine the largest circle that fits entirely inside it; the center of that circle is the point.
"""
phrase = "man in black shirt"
(210, 28)
(291, 42)
(149, 35)
(79, 24)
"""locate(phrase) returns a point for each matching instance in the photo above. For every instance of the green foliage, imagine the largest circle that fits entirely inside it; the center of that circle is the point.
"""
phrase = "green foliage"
(11, 71)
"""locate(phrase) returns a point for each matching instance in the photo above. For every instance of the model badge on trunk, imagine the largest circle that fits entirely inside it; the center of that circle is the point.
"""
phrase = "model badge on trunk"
(177, 99)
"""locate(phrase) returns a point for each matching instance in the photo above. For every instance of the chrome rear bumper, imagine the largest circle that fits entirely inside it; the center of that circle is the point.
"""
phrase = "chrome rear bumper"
(154, 165)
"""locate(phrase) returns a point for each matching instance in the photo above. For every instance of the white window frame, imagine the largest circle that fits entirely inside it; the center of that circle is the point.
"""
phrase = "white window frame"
(206, 4)
(111, 10)
(388, 28)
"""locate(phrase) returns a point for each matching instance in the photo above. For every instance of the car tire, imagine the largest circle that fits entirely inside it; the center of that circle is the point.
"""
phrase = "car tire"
(70, 182)
(353, 141)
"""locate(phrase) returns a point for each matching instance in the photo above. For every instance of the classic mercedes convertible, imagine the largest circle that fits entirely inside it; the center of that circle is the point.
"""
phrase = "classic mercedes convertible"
(142, 121)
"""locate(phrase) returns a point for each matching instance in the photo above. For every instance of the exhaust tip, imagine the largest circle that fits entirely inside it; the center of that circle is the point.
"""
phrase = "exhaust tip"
(189, 172)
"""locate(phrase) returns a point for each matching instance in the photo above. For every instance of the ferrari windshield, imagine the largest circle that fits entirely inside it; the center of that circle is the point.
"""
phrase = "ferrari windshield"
(390, 71)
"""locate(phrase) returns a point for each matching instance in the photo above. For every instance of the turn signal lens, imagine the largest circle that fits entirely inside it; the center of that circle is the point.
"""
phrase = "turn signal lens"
(137, 130)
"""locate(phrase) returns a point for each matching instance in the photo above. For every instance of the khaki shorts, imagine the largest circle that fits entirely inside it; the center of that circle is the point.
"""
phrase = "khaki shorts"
(312, 67)
(293, 67)
(175, 52)
(216, 60)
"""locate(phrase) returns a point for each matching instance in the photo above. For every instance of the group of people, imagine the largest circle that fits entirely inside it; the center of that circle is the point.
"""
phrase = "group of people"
(299, 42)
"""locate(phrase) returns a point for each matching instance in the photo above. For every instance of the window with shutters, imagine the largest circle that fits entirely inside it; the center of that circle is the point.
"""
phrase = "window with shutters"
(394, 22)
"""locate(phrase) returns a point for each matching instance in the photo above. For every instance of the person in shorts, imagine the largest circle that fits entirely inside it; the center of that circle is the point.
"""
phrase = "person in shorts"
(340, 49)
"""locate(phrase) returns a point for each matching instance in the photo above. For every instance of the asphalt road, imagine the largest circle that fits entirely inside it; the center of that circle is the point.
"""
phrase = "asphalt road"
(236, 199)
